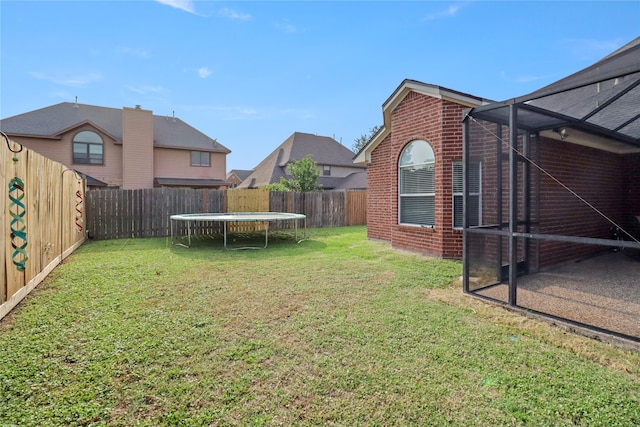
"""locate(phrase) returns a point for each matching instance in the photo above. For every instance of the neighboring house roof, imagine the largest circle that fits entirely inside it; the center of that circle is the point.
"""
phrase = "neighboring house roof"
(355, 181)
(53, 121)
(407, 86)
(242, 174)
(91, 181)
(600, 100)
(190, 182)
(323, 149)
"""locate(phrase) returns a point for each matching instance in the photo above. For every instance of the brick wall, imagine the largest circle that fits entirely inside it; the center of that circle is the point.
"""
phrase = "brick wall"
(596, 176)
(439, 122)
(632, 184)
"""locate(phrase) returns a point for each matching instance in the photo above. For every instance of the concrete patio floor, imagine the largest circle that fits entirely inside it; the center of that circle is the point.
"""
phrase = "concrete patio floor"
(602, 291)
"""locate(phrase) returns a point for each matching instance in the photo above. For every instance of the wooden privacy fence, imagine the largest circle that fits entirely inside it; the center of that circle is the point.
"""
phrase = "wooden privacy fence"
(43, 219)
(115, 214)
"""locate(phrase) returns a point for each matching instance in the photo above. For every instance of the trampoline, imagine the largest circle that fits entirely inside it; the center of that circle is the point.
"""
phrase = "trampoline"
(235, 218)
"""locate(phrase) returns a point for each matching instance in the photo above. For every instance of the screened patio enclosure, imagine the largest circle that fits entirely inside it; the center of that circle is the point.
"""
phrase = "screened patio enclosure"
(559, 198)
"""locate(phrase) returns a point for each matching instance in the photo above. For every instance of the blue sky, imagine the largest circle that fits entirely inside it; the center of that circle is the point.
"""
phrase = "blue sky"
(251, 73)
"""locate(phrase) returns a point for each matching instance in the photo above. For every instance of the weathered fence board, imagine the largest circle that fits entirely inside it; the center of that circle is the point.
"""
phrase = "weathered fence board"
(113, 214)
(45, 200)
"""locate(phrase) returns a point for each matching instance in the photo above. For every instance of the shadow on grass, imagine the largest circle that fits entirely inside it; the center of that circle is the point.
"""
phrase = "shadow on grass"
(246, 245)
(278, 242)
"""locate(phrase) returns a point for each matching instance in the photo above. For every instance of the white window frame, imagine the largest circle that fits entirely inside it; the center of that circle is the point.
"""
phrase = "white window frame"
(431, 194)
(460, 195)
(88, 140)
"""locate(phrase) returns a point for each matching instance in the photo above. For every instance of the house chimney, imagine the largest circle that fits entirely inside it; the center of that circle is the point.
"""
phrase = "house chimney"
(137, 148)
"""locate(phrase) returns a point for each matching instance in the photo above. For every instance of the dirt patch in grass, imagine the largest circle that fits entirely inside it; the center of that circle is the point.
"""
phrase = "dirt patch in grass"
(603, 353)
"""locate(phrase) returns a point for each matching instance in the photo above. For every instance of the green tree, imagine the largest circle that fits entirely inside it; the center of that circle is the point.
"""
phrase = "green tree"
(304, 177)
(276, 186)
(364, 139)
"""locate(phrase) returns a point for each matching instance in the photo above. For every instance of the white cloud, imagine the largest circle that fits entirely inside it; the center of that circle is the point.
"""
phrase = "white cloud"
(139, 53)
(145, 90)
(243, 112)
(204, 72)
(186, 5)
(232, 14)
(286, 27)
(591, 49)
(446, 13)
(78, 80)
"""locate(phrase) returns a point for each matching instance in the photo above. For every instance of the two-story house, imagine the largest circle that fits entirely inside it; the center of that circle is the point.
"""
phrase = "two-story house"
(128, 148)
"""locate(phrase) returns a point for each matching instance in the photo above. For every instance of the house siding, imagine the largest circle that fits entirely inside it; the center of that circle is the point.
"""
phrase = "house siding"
(338, 171)
(61, 151)
(439, 122)
(172, 162)
(137, 154)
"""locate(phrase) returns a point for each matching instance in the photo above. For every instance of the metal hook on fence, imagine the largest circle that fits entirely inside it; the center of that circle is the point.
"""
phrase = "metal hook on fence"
(4, 135)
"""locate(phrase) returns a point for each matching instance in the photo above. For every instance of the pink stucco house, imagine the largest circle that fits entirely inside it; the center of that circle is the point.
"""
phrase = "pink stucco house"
(128, 148)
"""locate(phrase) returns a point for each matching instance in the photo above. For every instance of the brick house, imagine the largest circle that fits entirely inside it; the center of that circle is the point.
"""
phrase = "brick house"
(236, 176)
(415, 170)
(128, 148)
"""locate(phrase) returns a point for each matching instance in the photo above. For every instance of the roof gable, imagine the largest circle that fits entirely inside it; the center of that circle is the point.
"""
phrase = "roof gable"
(407, 86)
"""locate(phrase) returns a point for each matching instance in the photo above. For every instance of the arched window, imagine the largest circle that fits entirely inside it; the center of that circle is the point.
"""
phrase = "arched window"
(88, 148)
(416, 172)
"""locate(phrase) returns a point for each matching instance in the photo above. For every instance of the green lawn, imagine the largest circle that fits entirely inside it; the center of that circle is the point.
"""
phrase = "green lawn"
(336, 330)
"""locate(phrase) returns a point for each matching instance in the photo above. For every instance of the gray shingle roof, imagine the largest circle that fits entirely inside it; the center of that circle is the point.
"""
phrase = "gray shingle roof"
(50, 122)
(242, 174)
(601, 99)
(190, 182)
(323, 149)
(355, 181)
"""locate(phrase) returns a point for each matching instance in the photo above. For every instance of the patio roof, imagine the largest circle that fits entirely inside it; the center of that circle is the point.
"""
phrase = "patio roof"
(603, 99)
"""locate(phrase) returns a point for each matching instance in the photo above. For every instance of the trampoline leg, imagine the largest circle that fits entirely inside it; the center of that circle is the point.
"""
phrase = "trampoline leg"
(304, 235)
(224, 233)
(171, 234)
(266, 234)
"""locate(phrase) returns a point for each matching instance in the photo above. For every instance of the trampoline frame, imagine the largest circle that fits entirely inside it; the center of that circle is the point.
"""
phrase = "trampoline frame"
(235, 218)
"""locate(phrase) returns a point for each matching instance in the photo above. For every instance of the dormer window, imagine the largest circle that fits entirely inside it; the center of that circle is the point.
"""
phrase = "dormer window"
(88, 148)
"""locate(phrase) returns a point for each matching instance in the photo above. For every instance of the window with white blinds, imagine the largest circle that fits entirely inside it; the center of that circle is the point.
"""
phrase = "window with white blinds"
(416, 174)
(474, 199)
